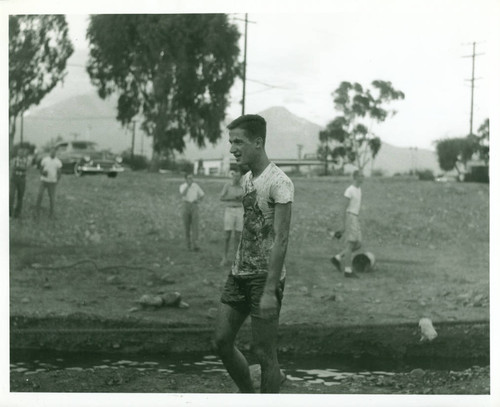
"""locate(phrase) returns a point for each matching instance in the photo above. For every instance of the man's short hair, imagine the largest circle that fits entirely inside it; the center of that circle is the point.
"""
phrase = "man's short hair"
(357, 173)
(253, 124)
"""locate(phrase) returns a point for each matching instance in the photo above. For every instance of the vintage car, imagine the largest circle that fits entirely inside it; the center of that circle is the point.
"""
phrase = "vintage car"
(84, 157)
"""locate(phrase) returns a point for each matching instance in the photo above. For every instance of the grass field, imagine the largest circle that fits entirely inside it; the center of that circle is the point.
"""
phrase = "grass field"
(430, 240)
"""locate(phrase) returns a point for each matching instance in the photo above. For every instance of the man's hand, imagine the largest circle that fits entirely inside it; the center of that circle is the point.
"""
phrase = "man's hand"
(268, 305)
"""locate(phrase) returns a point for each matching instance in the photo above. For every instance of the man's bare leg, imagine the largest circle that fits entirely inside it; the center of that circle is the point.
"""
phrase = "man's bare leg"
(237, 238)
(228, 323)
(347, 258)
(264, 334)
(227, 241)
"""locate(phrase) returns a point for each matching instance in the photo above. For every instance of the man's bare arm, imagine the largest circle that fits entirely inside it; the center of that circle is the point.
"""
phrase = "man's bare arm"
(222, 195)
(282, 218)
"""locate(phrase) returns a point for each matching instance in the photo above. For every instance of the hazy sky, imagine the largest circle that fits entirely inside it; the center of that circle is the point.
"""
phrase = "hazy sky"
(302, 57)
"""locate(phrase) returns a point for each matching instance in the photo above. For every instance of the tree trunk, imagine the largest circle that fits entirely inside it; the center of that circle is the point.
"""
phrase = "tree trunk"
(154, 165)
(12, 131)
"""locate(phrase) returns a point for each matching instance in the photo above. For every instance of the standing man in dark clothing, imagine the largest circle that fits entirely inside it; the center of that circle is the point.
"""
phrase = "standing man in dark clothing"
(18, 168)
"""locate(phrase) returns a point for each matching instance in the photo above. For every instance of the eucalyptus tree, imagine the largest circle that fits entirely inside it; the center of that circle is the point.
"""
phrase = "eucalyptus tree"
(349, 138)
(171, 72)
(39, 48)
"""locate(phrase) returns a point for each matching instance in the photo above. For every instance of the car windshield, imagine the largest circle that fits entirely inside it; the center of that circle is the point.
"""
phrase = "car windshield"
(83, 145)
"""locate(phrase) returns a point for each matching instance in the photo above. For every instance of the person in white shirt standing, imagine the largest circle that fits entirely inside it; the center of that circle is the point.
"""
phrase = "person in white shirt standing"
(191, 194)
(50, 168)
(232, 195)
(351, 229)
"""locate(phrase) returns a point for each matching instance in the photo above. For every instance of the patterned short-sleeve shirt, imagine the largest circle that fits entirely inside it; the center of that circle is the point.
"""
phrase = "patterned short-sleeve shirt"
(261, 194)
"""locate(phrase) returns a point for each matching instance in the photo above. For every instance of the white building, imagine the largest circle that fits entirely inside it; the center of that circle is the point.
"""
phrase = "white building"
(212, 166)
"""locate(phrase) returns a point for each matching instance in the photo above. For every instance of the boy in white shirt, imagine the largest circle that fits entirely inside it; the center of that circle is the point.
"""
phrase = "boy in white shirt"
(50, 169)
(351, 228)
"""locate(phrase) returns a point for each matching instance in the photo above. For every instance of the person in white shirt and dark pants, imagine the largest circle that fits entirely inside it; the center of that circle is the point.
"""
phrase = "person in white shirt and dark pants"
(351, 228)
(50, 168)
(191, 194)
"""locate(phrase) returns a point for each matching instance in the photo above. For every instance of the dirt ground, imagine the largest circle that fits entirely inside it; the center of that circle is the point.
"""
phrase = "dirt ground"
(115, 240)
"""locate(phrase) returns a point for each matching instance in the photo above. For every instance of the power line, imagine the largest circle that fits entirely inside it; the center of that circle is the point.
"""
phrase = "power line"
(267, 84)
(70, 118)
(261, 90)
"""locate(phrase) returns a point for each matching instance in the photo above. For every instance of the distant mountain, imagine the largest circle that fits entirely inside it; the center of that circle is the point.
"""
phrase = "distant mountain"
(86, 116)
(285, 132)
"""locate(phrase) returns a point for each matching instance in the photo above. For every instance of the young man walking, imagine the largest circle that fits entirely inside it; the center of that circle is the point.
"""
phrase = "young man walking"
(50, 168)
(19, 166)
(256, 281)
(231, 195)
(191, 194)
(351, 228)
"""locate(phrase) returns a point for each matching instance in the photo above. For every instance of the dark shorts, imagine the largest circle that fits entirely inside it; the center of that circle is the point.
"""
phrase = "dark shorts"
(244, 293)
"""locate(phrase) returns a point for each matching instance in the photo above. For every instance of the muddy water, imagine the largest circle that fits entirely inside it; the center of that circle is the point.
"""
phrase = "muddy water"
(329, 371)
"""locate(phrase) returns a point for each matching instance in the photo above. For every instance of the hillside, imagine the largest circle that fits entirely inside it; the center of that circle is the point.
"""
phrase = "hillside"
(286, 131)
(86, 116)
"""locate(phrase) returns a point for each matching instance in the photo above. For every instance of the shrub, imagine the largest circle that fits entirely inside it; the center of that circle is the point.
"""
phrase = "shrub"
(184, 166)
(478, 174)
(136, 163)
(378, 173)
(425, 175)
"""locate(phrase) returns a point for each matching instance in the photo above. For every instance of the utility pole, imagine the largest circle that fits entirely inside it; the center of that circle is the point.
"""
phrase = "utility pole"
(413, 160)
(299, 150)
(245, 62)
(472, 83)
(244, 66)
(133, 139)
(22, 125)
(142, 143)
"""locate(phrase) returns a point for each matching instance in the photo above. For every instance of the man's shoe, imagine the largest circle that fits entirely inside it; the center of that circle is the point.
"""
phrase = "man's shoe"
(351, 275)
